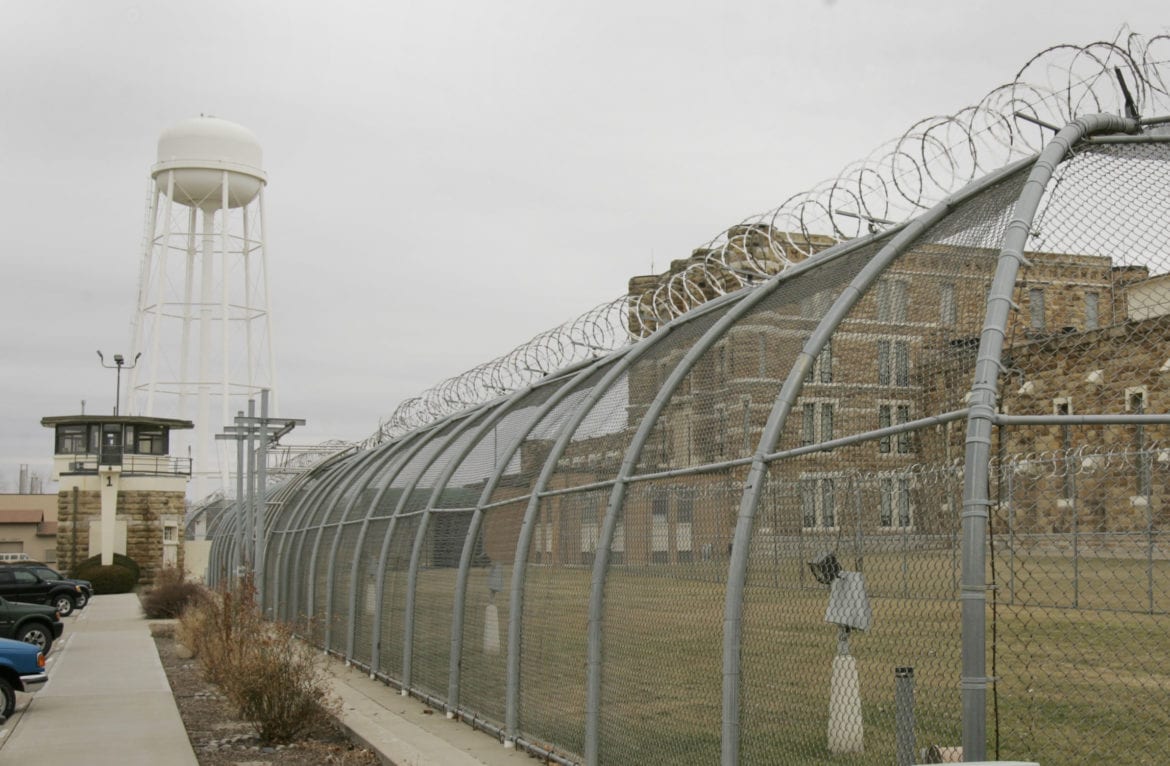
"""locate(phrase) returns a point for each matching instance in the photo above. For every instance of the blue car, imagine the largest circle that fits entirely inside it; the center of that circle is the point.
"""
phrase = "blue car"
(22, 668)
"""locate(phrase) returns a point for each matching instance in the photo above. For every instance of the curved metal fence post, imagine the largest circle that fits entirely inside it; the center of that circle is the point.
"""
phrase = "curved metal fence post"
(369, 468)
(459, 608)
(420, 536)
(353, 473)
(745, 303)
(386, 474)
(753, 485)
(520, 565)
(984, 387)
(330, 498)
(384, 550)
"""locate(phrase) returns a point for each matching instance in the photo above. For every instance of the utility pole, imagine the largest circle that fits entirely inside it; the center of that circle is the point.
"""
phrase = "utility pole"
(254, 435)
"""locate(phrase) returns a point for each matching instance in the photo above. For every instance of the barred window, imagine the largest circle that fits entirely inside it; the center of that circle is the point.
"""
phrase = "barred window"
(893, 362)
(889, 414)
(895, 507)
(818, 502)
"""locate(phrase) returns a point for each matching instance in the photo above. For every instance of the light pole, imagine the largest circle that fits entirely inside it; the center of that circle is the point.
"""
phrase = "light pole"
(119, 362)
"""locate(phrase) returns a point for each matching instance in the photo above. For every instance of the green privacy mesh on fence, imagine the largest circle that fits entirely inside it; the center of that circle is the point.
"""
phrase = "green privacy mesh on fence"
(860, 503)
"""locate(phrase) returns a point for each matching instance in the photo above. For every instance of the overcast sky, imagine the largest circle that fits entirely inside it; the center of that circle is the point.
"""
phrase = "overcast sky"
(446, 179)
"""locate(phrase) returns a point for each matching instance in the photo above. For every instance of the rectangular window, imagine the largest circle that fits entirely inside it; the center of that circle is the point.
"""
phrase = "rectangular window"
(821, 370)
(891, 300)
(686, 506)
(895, 413)
(1135, 402)
(150, 441)
(901, 363)
(904, 437)
(1092, 321)
(828, 504)
(70, 440)
(808, 503)
(660, 528)
(893, 359)
(884, 355)
(894, 506)
(816, 422)
(818, 503)
(1036, 307)
(948, 310)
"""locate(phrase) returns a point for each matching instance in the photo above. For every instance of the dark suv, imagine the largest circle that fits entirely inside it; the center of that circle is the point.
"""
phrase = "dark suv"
(21, 582)
(46, 572)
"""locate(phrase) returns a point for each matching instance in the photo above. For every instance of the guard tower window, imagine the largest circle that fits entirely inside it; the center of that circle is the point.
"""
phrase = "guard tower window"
(151, 440)
(71, 440)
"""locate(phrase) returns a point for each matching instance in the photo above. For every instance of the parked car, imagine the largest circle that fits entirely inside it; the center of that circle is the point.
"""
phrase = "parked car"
(22, 669)
(32, 623)
(20, 582)
(46, 572)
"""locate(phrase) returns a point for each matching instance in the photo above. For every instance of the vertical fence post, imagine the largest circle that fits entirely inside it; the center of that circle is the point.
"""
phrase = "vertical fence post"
(984, 387)
(904, 716)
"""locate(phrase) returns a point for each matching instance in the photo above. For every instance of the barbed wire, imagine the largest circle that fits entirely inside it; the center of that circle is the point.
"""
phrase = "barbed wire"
(931, 159)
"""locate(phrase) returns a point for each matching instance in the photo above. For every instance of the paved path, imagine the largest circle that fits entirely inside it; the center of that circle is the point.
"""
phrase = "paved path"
(108, 703)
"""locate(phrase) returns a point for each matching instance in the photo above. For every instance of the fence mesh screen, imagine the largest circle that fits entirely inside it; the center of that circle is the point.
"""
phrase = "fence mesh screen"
(621, 485)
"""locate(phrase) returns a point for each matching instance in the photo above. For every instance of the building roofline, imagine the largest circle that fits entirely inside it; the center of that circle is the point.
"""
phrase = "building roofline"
(69, 420)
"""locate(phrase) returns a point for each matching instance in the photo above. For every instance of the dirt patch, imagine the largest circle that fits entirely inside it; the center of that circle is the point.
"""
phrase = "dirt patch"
(219, 738)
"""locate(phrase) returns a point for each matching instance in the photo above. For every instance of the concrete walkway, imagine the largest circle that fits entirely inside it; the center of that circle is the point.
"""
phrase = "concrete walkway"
(108, 703)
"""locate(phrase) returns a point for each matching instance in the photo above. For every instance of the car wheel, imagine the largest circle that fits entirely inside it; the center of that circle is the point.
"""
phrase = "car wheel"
(64, 605)
(7, 699)
(37, 635)
(82, 600)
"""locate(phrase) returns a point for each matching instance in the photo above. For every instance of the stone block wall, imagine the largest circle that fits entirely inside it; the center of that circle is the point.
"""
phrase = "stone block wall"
(145, 514)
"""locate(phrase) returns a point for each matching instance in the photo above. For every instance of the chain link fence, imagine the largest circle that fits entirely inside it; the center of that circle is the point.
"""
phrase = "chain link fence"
(773, 530)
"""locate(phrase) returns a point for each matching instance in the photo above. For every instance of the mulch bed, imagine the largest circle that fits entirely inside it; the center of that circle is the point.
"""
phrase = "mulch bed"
(219, 738)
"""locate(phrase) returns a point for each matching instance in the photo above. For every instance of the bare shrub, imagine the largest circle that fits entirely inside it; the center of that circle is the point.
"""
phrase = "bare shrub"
(273, 680)
(279, 685)
(171, 595)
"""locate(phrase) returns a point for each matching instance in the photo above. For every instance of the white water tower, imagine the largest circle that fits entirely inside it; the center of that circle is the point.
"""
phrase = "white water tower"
(202, 322)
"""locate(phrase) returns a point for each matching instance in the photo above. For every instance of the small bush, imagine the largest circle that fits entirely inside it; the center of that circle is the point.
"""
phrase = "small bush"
(171, 595)
(112, 579)
(95, 562)
(272, 679)
(279, 687)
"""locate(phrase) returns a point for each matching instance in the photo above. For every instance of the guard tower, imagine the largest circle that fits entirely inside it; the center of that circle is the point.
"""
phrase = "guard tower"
(202, 322)
(120, 490)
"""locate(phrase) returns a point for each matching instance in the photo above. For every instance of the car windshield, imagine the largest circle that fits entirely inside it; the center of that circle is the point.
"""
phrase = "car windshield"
(48, 574)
